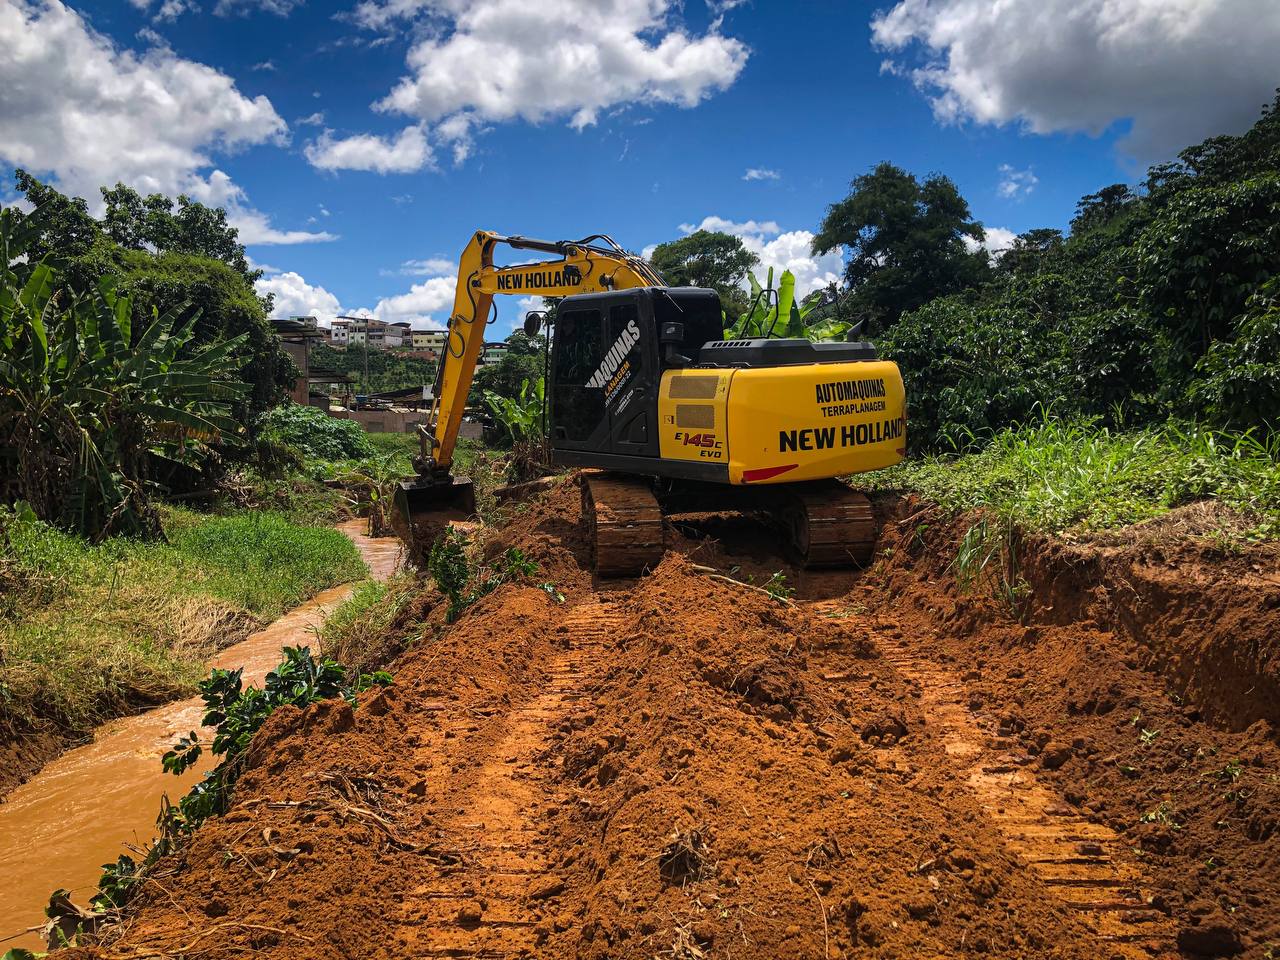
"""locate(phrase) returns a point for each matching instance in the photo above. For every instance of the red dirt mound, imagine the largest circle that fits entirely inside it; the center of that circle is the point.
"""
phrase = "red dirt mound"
(680, 767)
(1125, 684)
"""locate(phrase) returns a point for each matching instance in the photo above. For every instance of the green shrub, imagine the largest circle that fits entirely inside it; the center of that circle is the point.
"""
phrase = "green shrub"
(316, 434)
(1062, 475)
(89, 404)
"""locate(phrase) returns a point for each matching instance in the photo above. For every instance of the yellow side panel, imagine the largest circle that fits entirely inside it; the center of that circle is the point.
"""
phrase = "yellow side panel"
(815, 421)
(691, 415)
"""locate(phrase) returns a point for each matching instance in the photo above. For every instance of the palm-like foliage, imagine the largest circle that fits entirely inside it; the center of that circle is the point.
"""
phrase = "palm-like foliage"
(520, 416)
(775, 313)
(85, 404)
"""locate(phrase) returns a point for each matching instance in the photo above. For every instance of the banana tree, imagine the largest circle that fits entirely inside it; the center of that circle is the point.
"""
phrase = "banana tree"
(775, 313)
(86, 405)
(520, 416)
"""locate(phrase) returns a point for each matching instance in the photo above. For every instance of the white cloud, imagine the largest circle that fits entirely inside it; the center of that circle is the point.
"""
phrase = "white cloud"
(75, 106)
(721, 225)
(433, 266)
(294, 297)
(761, 173)
(1180, 70)
(1016, 184)
(427, 304)
(314, 120)
(997, 240)
(781, 250)
(266, 66)
(281, 8)
(494, 61)
(406, 152)
(485, 61)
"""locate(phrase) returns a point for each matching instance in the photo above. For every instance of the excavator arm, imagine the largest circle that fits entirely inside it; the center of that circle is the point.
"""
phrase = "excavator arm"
(590, 265)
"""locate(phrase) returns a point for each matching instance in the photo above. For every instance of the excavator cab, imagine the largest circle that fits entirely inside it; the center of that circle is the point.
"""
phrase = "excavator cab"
(608, 354)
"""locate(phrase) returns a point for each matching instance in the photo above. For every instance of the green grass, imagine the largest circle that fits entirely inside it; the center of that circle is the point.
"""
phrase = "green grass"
(359, 631)
(302, 499)
(1059, 476)
(88, 632)
(402, 444)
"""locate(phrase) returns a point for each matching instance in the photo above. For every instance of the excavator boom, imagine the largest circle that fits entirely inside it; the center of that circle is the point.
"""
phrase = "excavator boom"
(593, 265)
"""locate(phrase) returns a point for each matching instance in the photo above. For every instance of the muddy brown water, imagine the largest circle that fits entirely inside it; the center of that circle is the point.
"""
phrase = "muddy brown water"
(85, 807)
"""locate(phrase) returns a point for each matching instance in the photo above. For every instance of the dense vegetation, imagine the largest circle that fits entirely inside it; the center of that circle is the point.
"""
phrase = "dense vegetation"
(164, 255)
(86, 407)
(314, 434)
(387, 369)
(1160, 302)
(90, 631)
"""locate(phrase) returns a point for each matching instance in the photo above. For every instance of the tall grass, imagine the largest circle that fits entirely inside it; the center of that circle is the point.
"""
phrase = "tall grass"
(88, 632)
(1061, 476)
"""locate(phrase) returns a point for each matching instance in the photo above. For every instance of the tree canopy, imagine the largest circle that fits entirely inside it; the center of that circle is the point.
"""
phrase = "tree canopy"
(905, 242)
(1160, 302)
(717, 261)
(163, 255)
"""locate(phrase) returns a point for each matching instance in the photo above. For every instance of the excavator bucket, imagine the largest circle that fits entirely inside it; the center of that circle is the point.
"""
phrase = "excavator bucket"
(424, 509)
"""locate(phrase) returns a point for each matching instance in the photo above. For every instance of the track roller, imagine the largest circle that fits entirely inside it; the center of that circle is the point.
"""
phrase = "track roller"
(830, 526)
(623, 522)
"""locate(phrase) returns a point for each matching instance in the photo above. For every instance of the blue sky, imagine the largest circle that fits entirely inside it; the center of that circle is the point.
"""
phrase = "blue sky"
(350, 138)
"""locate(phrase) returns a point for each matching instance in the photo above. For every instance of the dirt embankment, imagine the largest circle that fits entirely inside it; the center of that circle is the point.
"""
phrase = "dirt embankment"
(678, 767)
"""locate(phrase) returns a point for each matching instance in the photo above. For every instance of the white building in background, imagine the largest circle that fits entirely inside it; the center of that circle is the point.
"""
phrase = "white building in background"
(397, 334)
(493, 352)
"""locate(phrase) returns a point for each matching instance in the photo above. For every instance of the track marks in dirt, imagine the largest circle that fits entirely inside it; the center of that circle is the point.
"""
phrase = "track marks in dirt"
(487, 906)
(1081, 862)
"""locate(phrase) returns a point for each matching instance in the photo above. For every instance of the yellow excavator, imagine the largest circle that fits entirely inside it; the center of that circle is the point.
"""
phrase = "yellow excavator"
(643, 387)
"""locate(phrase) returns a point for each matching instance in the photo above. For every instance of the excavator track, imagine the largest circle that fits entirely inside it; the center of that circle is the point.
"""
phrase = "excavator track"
(623, 522)
(830, 526)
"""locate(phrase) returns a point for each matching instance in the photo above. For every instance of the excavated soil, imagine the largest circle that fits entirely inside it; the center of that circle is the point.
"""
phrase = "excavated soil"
(682, 767)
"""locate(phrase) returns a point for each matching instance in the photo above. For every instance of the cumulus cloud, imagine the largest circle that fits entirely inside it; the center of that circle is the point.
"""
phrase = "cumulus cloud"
(1178, 70)
(997, 240)
(487, 61)
(619, 51)
(294, 297)
(75, 106)
(404, 153)
(781, 250)
(1016, 184)
(425, 305)
(761, 173)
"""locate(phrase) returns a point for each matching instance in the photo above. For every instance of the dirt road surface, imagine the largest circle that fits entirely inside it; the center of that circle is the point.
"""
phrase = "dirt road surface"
(886, 766)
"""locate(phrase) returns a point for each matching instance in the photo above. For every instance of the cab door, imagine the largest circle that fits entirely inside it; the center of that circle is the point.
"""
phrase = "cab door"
(578, 417)
(630, 391)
